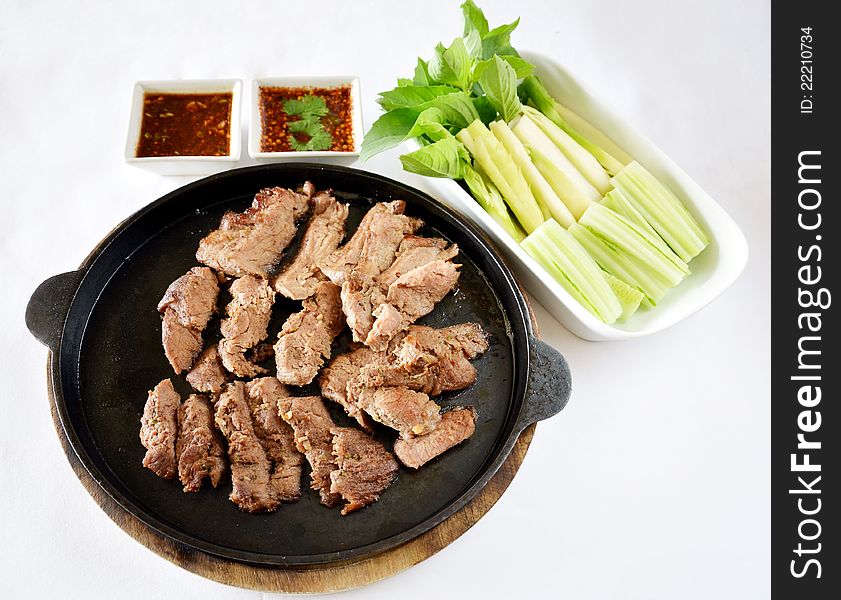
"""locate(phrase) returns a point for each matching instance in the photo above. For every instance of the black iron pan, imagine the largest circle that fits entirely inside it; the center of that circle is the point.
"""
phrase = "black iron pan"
(102, 328)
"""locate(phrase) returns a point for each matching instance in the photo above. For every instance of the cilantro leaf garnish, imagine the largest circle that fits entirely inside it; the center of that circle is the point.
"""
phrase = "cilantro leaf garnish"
(306, 106)
(322, 140)
(309, 111)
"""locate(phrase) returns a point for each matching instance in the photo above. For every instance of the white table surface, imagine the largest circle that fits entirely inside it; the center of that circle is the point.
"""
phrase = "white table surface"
(653, 483)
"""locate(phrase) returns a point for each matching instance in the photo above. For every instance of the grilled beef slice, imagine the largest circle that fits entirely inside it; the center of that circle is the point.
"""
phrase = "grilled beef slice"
(252, 242)
(339, 372)
(159, 430)
(361, 292)
(208, 373)
(411, 296)
(365, 468)
(187, 306)
(415, 251)
(430, 360)
(276, 436)
(199, 447)
(323, 235)
(409, 412)
(456, 426)
(312, 424)
(246, 325)
(306, 337)
(345, 258)
(250, 467)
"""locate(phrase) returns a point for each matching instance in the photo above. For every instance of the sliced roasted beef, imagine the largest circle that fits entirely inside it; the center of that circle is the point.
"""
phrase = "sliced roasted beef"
(341, 261)
(306, 337)
(252, 242)
(250, 467)
(193, 297)
(456, 426)
(415, 251)
(430, 360)
(276, 436)
(358, 300)
(344, 368)
(323, 235)
(411, 296)
(365, 468)
(423, 346)
(187, 306)
(208, 374)
(181, 344)
(409, 412)
(312, 424)
(159, 430)
(199, 447)
(361, 292)
(246, 325)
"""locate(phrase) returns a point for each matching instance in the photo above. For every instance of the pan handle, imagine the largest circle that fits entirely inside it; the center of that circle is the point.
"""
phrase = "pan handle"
(549, 385)
(48, 307)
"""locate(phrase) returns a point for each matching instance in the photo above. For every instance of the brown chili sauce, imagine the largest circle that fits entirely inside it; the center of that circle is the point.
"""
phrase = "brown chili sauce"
(275, 121)
(185, 125)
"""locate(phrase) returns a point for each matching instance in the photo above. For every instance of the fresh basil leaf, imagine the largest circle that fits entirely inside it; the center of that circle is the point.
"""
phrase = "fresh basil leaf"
(499, 81)
(431, 124)
(474, 18)
(473, 43)
(404, 82)
(522, 68)
(388, 131)
(412, 95)
(440, 159)
(498, 40)
(451, 66)
(422, 73)
(487, 113)
(458, 109)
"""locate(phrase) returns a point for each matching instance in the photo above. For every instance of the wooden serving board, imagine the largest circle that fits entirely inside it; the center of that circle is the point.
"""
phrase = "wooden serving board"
(312, 580)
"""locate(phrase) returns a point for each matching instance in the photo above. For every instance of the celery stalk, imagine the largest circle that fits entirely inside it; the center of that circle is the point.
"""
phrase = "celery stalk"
(586, 164)
(541, 189)
(495, 161)
(570, 185)
(662, 209)
(621, 265)
(629, 296)
(631, 240)
(563, 257)
(609, 155)
(616, 201)
(489, 198)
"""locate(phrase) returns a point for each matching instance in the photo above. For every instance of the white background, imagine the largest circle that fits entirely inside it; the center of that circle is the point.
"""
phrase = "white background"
(653, 483)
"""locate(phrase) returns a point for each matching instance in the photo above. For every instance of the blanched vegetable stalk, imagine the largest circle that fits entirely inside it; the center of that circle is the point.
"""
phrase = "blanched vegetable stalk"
(570, 185)
(489, 198)
(621, 265)
(543, 192)
(574, 269)
(627, 238)
(664, 212)
(609, 155)
(588, 166)
(501, 169)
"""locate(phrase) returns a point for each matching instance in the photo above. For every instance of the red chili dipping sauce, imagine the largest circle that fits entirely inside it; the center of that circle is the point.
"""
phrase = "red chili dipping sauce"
(304, 118)
(185, 125)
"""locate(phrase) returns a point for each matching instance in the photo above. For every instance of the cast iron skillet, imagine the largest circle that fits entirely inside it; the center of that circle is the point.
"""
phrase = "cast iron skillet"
(102, 328)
